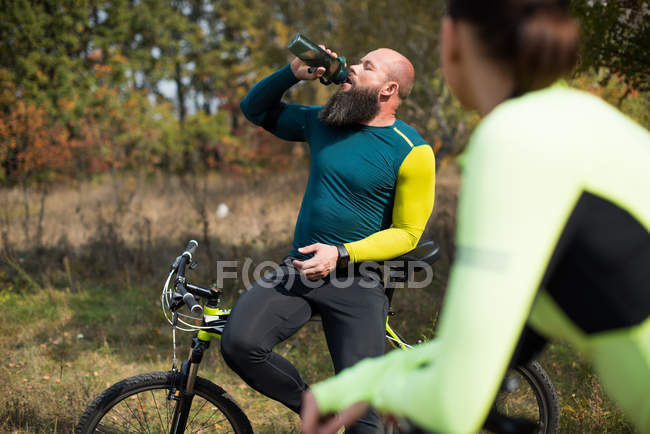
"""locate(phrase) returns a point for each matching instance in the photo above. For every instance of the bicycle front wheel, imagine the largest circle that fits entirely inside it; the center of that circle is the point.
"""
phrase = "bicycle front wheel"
(140, 404)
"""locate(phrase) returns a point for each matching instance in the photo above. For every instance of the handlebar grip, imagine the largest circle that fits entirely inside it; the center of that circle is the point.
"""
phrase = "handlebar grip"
(191, 247)
(191, 302)
(188, 253)
(189, 299)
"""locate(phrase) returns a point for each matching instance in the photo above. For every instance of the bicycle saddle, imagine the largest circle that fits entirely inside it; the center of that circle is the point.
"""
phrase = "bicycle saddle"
(402, 268)
(425, 254)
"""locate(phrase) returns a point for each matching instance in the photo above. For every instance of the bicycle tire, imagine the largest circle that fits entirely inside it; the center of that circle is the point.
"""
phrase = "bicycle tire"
(545, 410)
(147, 393)
(547, 396)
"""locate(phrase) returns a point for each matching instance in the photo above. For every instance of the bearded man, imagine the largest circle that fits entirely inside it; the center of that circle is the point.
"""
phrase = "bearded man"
(369, 196)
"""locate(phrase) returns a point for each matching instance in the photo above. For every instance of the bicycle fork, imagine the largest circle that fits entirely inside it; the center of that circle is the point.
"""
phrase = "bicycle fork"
(186, 379)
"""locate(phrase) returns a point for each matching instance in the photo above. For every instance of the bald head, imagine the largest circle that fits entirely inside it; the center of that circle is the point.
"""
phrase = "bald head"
(398, 68)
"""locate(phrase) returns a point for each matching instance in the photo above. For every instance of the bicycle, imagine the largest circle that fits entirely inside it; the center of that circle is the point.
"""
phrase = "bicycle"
(176, 401)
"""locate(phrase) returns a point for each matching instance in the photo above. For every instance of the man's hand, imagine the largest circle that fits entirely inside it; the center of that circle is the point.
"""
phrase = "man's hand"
(301, 70)
(314, 423)
(321, 264)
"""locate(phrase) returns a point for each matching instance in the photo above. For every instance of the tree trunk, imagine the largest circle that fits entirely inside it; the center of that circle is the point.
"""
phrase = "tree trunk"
(27, 216)
(41, 215)
(180, 92)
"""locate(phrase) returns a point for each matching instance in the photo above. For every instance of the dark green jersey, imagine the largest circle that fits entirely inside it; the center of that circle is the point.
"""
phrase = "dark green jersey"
(370, 188)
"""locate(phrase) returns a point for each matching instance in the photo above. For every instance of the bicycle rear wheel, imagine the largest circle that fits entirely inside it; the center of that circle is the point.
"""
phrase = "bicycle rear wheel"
(139, 404)
(528, 394)
(528, 401)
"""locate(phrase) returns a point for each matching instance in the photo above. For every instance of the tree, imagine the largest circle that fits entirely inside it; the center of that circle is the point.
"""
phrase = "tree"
(616, 35)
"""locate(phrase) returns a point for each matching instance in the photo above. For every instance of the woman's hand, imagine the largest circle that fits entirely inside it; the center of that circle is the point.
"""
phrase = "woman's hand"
(314, 423)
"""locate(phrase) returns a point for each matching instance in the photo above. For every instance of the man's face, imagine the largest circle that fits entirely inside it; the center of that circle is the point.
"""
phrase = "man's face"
(369, 73)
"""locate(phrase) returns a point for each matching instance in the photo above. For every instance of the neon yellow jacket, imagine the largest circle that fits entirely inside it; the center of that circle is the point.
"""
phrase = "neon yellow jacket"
(526, 168)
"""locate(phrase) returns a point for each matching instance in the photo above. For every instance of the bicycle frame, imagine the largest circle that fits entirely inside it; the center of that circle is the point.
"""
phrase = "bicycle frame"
(215, 320)
(395, 339)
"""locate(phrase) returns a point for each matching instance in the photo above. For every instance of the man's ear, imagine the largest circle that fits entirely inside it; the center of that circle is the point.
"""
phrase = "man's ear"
(389, 88)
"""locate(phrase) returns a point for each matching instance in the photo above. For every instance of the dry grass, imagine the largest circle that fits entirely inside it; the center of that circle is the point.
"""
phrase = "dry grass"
(259, 209)
(106, 246)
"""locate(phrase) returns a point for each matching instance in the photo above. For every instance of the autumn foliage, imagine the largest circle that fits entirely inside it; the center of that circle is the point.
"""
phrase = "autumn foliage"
(88, 86)
(32, 144)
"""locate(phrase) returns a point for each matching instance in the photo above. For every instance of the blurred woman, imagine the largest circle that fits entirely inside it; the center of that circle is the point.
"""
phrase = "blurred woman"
(553, 236)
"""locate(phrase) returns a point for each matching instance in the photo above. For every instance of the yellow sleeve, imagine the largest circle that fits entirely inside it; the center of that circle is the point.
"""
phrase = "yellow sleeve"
(414, 196)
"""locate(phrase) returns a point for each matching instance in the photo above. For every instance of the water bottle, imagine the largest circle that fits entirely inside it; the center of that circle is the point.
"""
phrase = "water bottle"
(315, 56)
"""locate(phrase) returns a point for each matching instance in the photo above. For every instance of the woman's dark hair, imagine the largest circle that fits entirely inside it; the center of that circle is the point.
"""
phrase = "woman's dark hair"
(538, 39)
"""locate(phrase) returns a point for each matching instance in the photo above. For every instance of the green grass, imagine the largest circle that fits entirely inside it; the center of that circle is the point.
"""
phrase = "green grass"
(583, 403)
(63, 347)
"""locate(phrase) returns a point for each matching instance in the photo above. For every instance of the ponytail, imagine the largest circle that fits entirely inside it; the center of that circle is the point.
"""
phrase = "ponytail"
(546, 48)
(537, 39)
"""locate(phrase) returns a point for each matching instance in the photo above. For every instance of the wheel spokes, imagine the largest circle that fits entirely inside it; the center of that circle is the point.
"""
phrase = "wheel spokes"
(142, 413)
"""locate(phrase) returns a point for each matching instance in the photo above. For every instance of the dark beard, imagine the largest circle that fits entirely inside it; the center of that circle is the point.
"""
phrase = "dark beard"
(350, 108)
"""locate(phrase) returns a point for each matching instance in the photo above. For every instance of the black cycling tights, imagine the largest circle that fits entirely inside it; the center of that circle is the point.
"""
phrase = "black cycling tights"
(353, 309)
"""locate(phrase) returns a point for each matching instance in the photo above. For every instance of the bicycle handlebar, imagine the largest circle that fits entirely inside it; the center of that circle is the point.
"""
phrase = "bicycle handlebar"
(188, 253)
(179, 283)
